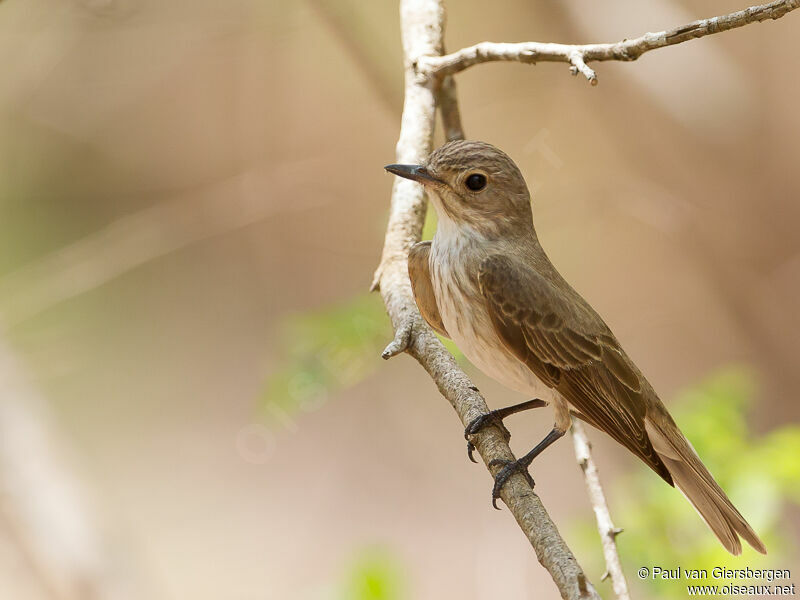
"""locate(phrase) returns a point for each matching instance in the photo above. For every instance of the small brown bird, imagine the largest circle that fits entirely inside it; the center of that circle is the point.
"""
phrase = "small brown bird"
(485, 282)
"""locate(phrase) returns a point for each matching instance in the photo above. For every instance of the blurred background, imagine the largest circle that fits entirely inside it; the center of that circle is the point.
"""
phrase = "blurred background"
(192, 203)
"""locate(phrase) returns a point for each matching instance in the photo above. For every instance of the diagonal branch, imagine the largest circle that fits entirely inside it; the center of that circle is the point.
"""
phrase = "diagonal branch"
(579, 55)
(608, 533)
(422, 32)
(45, 510)
(190, 216)
(428, 84)
(448, 107)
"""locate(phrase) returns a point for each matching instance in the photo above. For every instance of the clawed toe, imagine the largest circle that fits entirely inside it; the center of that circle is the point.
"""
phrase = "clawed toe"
(481, 421)
(470, 450)
(509, 468)
(495, 418)
(478, 423)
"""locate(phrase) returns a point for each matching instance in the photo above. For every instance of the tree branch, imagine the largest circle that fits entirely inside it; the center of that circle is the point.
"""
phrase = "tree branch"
(579, 55)
(608, 533)
(448, 106)
(45, 508)
(422, 23)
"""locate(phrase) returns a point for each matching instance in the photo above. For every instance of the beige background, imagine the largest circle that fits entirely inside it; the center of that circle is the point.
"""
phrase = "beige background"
(247, 140)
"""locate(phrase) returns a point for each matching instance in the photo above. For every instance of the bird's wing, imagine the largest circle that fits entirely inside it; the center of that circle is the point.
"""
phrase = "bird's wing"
(420, 273)
(569, 347)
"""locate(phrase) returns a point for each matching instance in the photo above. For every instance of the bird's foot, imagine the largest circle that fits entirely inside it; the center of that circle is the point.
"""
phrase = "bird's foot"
(521, 465)
(509, 468)
(495, 418)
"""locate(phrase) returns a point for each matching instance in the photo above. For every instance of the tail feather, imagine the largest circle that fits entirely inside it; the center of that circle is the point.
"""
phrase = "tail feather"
(693, 479)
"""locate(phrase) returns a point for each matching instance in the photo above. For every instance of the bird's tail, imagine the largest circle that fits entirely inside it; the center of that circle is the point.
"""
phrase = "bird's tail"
(691, 476)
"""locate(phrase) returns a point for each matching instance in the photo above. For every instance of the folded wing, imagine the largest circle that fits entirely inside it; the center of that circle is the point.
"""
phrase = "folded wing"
(420, 274)
(569, 347)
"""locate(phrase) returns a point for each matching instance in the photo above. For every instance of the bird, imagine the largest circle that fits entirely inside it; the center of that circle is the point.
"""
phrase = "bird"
(485, 282)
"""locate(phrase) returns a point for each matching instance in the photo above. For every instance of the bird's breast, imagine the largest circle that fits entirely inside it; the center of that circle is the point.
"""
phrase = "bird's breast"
(454, 275)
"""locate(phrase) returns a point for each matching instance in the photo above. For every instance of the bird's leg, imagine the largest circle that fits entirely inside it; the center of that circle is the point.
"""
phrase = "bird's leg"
(495, 417)
(563, 421)
(521, 465)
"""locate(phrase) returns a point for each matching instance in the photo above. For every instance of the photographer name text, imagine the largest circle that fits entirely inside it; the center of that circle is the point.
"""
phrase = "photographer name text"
(768, 575)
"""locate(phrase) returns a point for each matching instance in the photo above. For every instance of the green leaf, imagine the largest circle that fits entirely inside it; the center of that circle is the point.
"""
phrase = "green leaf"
(374, 575)
(430, 224)
(326, 351)
(760, 474)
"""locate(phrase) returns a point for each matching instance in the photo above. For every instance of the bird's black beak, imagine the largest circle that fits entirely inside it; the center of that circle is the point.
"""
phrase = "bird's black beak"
(416, 173)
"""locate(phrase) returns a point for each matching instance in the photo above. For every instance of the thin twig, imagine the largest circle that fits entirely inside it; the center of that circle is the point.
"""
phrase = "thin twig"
(579, 55)
(422, 24)
(448, 107)
(608, 533)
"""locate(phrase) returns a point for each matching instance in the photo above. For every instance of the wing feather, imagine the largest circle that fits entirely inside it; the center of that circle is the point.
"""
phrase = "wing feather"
(567, 345)
(420, 274)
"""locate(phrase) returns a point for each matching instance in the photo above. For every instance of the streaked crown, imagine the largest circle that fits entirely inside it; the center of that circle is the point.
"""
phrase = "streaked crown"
(469, 154)
(479, 185)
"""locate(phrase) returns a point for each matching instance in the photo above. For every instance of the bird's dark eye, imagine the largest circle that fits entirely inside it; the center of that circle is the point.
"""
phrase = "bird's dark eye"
(476, 182)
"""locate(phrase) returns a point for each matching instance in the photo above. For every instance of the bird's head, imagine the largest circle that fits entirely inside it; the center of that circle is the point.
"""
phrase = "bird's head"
(474, 184)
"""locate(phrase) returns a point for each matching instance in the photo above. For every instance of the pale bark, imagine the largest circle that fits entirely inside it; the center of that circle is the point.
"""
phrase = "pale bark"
(422, 31)
(605, 526)
(578, 55)
(428, 84)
